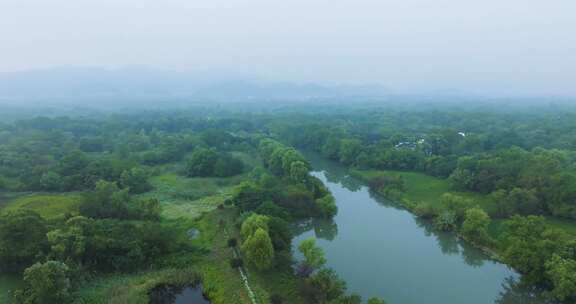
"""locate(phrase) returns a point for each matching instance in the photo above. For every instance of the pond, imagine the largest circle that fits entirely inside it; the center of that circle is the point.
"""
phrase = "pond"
(382, 250)
(171, 294)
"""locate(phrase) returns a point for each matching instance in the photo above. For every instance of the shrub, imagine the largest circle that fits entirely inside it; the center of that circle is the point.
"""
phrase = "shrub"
(424, 211)
(236, 263)
(232, 242)
(276, 299)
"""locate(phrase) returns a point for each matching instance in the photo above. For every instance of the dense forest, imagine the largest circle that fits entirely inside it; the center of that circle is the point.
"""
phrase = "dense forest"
(109, 207)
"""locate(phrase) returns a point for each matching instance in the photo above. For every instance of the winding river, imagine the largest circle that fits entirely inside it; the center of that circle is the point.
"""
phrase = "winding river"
(382, 250)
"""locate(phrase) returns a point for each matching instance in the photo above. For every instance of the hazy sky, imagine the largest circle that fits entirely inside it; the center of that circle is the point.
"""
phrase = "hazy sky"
(493, 46)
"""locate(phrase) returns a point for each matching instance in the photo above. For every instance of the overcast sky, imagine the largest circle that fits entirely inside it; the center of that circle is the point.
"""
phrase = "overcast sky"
(492, 46)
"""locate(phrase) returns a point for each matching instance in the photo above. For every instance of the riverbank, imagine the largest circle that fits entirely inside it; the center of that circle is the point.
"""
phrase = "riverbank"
(381, 249)
(493, 245)
(422, 188)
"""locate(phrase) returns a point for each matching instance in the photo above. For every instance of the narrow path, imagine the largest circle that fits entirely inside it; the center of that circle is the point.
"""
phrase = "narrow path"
(242, 272)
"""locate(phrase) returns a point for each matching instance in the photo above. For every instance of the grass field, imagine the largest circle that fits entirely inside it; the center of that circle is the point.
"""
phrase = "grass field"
(47, 205)
(185, 197)
(422, 188)
(181, 196)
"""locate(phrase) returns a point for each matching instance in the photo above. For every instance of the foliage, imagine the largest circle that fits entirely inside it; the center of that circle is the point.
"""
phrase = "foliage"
(135, 179)
(248, 196)
(258, 249)
(324, 286)
(280, 234)
(457, 205)
(45, 283)
(106, 201)
(208, 162)
(562, 273)
(475, 223)
(446, 221)
(109, 201)
(253, 223)
(376, 301)
(529, 244)
(314, 256)
(327, 206)
(22, 238)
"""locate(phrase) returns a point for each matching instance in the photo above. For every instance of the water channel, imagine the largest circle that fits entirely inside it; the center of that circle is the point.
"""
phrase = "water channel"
(382, 250)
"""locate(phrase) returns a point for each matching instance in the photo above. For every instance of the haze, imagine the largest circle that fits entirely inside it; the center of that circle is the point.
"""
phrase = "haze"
(485, 47)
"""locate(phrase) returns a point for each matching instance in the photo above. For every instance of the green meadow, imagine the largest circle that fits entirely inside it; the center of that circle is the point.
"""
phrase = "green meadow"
(48, 206)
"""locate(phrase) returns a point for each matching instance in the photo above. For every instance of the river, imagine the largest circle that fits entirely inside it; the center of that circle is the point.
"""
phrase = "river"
(382, 250)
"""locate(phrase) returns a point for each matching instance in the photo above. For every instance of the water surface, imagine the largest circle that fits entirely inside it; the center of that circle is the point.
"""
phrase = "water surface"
(171, 294)
(382, 250)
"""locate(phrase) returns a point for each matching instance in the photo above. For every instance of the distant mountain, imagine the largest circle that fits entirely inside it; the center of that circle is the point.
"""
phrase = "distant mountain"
(137, 84)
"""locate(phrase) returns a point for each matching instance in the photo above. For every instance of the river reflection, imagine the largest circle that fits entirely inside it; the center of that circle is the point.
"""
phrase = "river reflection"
(380, 249)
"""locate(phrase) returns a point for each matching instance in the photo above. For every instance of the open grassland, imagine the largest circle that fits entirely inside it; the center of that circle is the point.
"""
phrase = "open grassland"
(422, 188)
(185, 197)
(48, 206)
(189, 197)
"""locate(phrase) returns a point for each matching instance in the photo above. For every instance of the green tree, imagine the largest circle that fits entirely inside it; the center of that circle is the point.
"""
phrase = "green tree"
(45, 283)
(74, 163)
(299, 172)
(67, 243)
(325, 286)
(269, 208)
(202, 162)
(529, 244)
(314, 256)
(51, 181)
(275, 162)
(349, 150)
(136, 179)
(22, 238)
(227, 165)
(280, 234)
(289, 157)
(446, 221)
(376, 301)
(331, 148)
(258, 250)
(252, 224)
(456, 204)
(475, 223)
(327, 206)
(345, 299)
(248, 196)
(149, 209)
(106, 201)
(562, 273)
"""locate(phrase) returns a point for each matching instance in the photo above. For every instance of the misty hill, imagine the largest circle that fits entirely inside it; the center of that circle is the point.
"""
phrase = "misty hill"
(62, 85)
